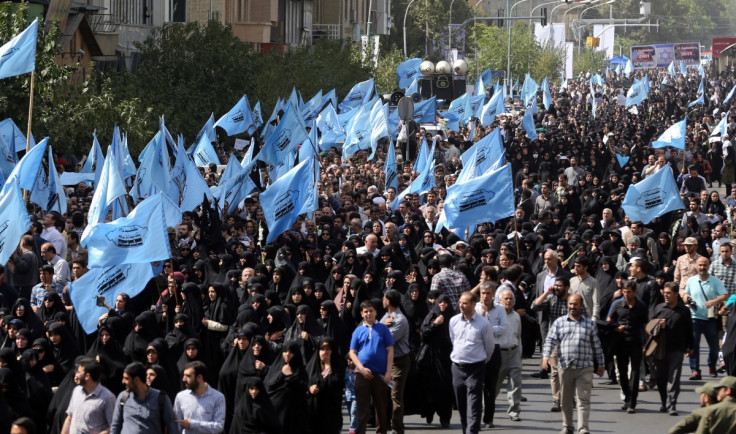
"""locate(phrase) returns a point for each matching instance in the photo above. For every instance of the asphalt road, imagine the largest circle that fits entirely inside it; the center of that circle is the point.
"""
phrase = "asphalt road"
(605, 417)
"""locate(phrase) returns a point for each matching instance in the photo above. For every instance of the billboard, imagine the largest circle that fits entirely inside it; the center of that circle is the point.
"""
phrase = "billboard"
(660, 55)
(720, 44)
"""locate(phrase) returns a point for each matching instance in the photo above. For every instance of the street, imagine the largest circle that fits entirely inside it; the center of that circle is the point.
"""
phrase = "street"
(606, 415)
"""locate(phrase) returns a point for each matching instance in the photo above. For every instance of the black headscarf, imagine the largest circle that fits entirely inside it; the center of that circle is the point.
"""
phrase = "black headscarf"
(66, 351)
(137, 341)
(112, 360)
(255, 415)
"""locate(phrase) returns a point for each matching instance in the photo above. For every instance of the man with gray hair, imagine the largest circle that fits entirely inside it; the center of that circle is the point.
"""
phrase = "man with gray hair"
(623, 258)
(510, 344)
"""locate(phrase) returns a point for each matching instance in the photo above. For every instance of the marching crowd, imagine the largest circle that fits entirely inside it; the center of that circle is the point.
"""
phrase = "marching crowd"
(372, 308)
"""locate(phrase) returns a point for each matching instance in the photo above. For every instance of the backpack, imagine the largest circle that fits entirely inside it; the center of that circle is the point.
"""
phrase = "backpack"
(161, 398)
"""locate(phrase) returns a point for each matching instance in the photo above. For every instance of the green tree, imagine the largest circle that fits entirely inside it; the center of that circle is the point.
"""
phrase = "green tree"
(588, 60)
(51, 81)
(385, 74)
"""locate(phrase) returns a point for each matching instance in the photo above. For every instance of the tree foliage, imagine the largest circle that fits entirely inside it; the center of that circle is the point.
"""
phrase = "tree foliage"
(526, 54)
(51, 82)
(588, 60)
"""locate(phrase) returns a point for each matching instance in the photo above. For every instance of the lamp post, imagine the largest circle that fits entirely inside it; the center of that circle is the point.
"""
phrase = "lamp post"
(449, 31)
(475, 37)
(580, 28)
(531, 14)
(405, 14)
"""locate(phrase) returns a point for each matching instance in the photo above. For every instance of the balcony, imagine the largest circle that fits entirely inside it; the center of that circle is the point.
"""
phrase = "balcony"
(325, 31)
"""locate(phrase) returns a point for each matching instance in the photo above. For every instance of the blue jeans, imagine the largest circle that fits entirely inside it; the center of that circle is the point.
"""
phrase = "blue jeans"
(709, 328)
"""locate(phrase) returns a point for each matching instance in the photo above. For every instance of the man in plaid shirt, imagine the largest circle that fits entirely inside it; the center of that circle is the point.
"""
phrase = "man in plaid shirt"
(448, 281)
(580, 353)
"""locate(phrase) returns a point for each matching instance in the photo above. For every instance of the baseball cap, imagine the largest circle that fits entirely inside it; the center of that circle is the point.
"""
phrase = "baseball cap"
(690, 241)
(729, 381)
(708, 388)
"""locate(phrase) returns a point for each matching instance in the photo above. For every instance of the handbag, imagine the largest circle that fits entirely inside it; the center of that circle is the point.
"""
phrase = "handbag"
(655, 344)
(713, 310)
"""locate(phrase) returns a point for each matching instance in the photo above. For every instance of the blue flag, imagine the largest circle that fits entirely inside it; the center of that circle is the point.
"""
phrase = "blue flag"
(311, 108)
(529, 90)
(177, 176)
(14, 137)
(194, 188)
(287, 135)
(283, 200)
(629, 68)
(622, 160)
(563, 84)
(238, 120)
(233, 189)
(597, 80)
(329, 98)
(379, 125)
(721, 128)
(108, 282)
(426, 111)
(423, 156)
(26, 170)
(413, 87)
(487, 198)
(674, 136)
(14, 220)
(653, 197)
(7, 159)
(701, 95)
(701, 71)
(272, 121)
(122, 154)
(140, 237)
(328, 125)
(424, 182)
(57, 200)
(671, 69)
(730, 94)
(683, 69)
(18, 55)
(528, 124)
(638, 92)
(153, 174)
(204, 153)
(208, 129)
(233, 165)
(360, 94)
(358, 132)
(407, 71)
(95, 159)
(460, 107)
(256, 115)
(483, 156)
(480, 87)
(546, 93)
(487, 114)
(110, 188)
(389, 168)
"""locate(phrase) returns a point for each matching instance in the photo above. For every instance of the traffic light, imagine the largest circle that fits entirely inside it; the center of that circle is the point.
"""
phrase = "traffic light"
(500, 15)
(544, 17)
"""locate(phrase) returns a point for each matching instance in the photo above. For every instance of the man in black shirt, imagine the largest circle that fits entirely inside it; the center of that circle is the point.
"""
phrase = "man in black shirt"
(628, 317)
(675, 317)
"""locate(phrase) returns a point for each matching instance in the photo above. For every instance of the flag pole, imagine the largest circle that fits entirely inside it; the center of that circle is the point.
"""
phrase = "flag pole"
(28, 131)
(516, 236)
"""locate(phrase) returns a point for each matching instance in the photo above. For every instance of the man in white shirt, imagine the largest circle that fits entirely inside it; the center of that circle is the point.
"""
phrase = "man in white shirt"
(52, 235)
(496, 316)
(199, 408)
(510, 344)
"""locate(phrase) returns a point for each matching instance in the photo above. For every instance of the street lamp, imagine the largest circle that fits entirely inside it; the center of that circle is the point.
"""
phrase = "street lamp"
(405, 14)
(580, 28)
(449, 31)
(531, 14)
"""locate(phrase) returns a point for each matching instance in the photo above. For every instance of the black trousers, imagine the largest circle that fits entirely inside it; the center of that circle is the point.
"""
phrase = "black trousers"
(489, 385)
(467, 382)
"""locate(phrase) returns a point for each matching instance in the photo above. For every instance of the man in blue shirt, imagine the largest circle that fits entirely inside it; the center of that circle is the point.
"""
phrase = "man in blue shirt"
(140, 408)
(706, 291)
(372, 351)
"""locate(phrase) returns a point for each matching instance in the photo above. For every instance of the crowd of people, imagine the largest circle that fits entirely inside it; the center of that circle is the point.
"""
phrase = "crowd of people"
(371, 308)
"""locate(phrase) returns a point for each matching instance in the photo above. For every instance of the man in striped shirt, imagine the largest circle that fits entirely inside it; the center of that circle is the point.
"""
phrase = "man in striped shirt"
(199, 408)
